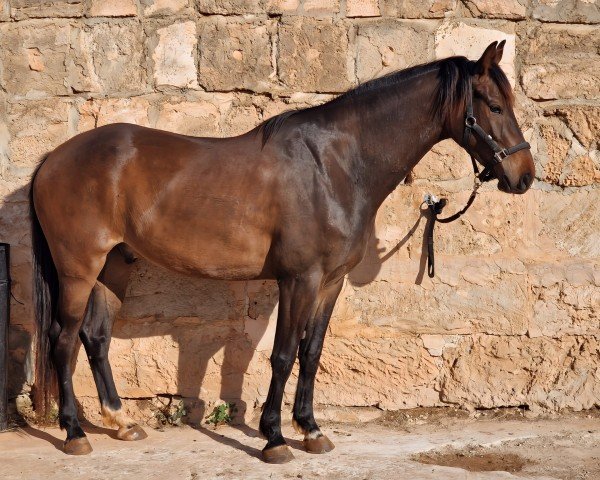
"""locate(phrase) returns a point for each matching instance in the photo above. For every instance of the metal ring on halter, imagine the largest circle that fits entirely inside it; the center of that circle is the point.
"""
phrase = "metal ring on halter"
(470, 121)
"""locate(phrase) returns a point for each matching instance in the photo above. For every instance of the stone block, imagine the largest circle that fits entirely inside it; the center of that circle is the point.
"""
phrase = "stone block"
(234, 7)
(569, 223)
(583, 121)
(362, 8)
(509, 9)
(392, 45)
(34, 58)
(239, 114)
(19, 372)
(109, 58)
(22, 9)
(471, 41)
(468, 295)
(323, 7)
(445, 161)
(367, 367)
(112, 8)
(174, 55)
(485, 371)
(566, 11)
(313, 55)
(562, 62)
(98, 112)
(566, 297)
(38, 127)
(198, 115)
(163, 7)
(419, 8)
(563, 159)
(237, 54)
(4, 11)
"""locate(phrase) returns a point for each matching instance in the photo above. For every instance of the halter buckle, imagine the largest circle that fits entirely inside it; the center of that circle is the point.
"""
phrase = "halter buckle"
(501, 155)
(470, 121)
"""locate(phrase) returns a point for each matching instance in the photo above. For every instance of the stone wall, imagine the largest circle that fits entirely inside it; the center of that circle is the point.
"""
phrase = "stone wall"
(512, 317)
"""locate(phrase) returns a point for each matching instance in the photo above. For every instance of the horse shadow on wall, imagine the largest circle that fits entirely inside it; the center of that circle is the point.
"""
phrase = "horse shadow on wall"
(176, 336)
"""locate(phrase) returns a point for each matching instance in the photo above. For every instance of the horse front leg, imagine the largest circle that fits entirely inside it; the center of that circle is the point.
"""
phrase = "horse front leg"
(297, 304)
(309, 354)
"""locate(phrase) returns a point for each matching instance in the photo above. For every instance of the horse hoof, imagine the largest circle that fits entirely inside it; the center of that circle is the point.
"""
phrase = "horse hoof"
(131, 433)
(320, 444)
(279, 454)
(77, 446)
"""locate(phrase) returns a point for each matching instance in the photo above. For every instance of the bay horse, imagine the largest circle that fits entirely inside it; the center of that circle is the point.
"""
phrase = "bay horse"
(292, 200)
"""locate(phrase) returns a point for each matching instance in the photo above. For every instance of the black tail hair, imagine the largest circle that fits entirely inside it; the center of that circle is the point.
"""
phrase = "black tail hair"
(45, 298)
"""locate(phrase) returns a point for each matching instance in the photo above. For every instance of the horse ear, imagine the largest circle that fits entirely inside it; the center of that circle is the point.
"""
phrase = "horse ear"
(487, 59)
(499, 52)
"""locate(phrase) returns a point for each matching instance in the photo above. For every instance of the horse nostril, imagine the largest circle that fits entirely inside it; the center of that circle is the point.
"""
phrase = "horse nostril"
(524, 183)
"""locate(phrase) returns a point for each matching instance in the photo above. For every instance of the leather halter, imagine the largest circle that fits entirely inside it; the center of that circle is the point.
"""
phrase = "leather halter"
(471, 126)
(436, 205)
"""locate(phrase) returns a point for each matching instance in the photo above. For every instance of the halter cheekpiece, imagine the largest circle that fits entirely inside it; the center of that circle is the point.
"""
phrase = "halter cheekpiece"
(471, 126)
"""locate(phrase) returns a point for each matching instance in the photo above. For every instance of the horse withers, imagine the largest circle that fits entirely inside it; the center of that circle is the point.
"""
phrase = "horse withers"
(293, 200)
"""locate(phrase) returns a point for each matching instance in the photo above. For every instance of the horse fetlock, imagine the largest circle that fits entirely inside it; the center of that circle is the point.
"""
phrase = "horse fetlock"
(116, 418)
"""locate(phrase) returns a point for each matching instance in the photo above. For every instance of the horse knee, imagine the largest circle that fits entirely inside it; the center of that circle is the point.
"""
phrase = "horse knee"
(282, 363)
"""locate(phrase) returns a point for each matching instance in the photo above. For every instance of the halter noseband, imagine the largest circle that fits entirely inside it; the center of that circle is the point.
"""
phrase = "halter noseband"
(500, 153)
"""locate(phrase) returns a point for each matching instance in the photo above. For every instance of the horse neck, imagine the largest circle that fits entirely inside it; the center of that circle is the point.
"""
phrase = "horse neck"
(396, 129)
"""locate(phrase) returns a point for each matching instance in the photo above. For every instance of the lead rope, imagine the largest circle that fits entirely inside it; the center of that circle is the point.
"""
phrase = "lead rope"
(436, 206)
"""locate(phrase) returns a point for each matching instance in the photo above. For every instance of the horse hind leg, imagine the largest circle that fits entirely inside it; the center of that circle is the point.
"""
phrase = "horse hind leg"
(74, 293)
(96, 332)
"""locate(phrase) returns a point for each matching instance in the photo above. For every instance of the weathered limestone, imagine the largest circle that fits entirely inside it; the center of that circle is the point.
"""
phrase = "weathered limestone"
(21, 9)
(566, 11)
(391, 45)
(4, 11)
(237, 54)
(163, 7)
(108, 58)
(562, 62)
(362, 8)
(454, 38)
(484, 371)
(38, 126)
(112, 8)
(95, 113)
(313, 55)
(228, 7)
(510, 9)
(174, 55)
(419, 8)
(321, 6)
(34, 58)
(189, 116)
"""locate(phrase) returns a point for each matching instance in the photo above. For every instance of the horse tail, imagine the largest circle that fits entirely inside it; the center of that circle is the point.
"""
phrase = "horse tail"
(45, 300)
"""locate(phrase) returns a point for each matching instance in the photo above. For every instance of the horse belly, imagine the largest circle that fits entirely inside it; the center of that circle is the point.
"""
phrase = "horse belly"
(220, 239)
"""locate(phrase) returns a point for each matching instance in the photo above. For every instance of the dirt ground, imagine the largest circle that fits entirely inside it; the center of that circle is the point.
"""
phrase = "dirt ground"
(440, 444)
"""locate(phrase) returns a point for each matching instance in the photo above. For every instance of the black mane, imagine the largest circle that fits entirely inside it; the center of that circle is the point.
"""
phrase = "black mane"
(454, 75)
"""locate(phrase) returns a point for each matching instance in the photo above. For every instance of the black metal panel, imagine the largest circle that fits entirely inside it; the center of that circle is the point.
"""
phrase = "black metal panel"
(4, 319)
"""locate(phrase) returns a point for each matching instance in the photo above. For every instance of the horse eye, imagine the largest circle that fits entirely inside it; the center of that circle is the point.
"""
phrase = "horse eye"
(495, 109)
